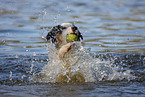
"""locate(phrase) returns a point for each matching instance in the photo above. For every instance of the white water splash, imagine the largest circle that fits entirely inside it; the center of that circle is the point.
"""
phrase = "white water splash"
(79, 61)
(10, 77)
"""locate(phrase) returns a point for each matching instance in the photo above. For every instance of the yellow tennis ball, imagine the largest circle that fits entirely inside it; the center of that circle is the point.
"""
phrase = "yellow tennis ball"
(71, 37)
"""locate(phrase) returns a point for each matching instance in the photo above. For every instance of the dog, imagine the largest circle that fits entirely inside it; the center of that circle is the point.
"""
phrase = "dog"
(57, 36)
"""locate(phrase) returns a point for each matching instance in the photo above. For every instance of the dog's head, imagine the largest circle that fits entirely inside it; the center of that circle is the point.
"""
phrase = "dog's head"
(58, 33)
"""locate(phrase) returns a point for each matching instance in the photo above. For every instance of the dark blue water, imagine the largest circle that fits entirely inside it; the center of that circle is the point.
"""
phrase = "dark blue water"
(113, 30)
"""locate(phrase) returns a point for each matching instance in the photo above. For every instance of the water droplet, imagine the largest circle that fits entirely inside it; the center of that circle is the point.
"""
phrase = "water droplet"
(31, 68)
(34, 53)
(126, 56)
(10, 77)
(16, 56)
(42, 37)
(23, 76)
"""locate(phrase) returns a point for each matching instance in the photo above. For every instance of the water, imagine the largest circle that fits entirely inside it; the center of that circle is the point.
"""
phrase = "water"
(114, 32)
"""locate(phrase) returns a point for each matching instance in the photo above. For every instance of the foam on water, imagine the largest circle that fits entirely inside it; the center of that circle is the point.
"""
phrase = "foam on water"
(79, 61)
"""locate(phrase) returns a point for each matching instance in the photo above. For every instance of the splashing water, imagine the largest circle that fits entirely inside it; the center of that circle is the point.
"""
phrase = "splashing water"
(79, 61)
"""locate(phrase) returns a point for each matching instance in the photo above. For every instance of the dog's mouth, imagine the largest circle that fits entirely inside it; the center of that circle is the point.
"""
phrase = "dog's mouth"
(71, 37)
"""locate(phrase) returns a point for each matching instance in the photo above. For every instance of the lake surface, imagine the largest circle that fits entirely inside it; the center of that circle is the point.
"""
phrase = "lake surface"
(113, 31)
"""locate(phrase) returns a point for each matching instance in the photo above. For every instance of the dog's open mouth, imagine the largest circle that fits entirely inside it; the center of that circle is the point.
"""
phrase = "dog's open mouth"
(71, 37)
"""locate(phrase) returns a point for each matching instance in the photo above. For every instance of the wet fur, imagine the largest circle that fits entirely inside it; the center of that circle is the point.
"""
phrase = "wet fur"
(56, 36)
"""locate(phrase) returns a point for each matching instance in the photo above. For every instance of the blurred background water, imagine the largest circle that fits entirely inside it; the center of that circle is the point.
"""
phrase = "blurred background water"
(111, 29)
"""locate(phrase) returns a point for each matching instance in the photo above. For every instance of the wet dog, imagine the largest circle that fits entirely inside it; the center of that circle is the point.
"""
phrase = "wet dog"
(58, 36)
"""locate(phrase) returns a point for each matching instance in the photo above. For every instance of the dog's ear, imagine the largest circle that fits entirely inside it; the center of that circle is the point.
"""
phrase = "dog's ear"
(77, 32)
(79, 36)
(52, 35)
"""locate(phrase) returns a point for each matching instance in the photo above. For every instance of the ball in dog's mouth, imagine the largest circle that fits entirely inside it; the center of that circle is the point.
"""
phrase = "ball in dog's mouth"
(71, 37)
